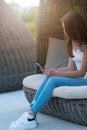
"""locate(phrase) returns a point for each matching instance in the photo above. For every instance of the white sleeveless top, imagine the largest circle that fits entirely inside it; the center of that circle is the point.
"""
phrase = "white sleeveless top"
(78, 55)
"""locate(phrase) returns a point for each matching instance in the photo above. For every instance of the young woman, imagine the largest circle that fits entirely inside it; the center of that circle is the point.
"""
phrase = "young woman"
(75, 74)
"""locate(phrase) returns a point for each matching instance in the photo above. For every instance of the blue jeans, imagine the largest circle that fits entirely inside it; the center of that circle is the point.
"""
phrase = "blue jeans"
(44, 92)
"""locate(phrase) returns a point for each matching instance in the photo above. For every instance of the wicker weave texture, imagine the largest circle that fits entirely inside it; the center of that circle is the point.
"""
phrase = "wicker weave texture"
(49, 25)
(67, 109)
(17, 50)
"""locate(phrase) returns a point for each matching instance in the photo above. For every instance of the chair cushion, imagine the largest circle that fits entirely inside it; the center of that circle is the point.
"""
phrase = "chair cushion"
(57, 53)
(34, 81)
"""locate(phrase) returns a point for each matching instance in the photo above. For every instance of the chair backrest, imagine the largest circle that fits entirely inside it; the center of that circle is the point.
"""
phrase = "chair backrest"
(50, 11)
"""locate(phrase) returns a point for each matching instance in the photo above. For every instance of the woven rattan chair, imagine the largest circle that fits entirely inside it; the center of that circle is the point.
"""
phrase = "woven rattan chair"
(74, 110)
(17, 50)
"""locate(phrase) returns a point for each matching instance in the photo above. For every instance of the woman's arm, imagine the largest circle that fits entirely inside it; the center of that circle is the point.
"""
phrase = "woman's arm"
(71, 70)
(71, 66)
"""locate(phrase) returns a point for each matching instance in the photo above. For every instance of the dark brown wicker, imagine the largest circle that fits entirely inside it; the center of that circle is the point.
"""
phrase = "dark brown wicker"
(49, 26)
(17, 50)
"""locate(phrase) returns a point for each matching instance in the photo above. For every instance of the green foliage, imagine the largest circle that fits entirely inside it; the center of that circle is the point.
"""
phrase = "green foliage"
(30, 18)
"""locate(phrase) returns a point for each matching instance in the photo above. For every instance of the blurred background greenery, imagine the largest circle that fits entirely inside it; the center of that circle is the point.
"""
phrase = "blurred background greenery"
(28, 11)
(30, 18)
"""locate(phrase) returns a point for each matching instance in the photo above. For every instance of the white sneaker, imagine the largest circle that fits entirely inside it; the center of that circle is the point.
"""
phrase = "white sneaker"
(25, 122)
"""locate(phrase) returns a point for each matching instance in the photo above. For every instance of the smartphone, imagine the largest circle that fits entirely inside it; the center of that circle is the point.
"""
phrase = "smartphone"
(39, 65)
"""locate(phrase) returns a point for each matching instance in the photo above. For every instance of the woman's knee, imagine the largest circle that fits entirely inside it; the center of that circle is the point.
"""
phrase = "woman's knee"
(52, 81)
(57, 81)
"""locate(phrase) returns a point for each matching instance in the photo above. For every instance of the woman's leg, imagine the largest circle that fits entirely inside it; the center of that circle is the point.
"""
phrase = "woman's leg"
(39, 90)
(52, 83)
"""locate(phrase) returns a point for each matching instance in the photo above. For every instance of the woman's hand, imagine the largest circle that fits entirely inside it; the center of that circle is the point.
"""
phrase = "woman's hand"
(49, 72)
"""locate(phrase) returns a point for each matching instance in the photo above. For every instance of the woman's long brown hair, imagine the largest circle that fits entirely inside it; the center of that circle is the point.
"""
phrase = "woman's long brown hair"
(76, 28)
